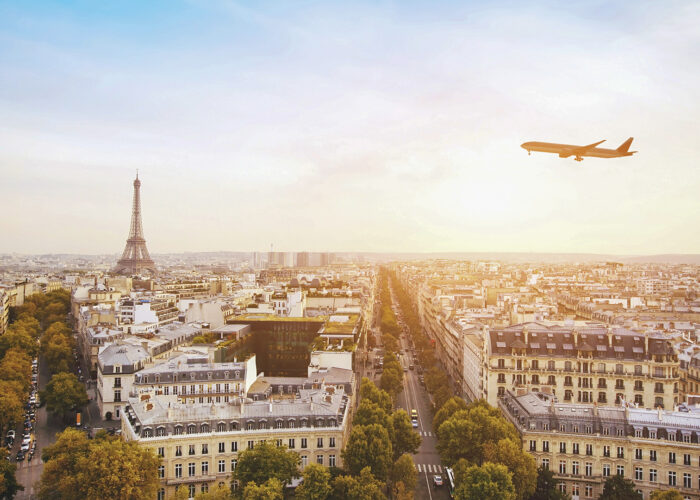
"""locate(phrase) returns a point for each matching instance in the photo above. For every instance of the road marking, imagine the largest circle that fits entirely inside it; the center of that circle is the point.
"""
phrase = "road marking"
(428, 484)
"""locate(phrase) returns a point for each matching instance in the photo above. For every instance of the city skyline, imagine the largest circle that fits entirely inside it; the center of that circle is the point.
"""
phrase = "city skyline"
(352, 127)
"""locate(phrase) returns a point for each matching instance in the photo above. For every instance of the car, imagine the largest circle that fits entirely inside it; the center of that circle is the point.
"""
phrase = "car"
(437, 480)
(414, 424)
(20, 456)
(414, 413)
(11, 434)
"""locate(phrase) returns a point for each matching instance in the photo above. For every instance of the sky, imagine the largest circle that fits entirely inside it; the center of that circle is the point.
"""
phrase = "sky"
(349, 126)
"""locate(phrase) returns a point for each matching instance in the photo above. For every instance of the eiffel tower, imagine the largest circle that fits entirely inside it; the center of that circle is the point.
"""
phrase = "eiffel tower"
(135, 258)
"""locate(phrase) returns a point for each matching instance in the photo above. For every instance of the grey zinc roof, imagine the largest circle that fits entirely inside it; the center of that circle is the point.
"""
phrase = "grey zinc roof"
(122, 354)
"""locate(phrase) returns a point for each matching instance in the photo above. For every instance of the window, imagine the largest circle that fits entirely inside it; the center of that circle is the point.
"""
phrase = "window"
(193, 490)
(117, 396)
(637, 453)
(192, 451)
(620, 452)
(331, 442)
(319, 442)
(652, 455)
(204, 488)
(550, 365)
(319, 459)
(589, 491)
(606, 451)
(205, 468)
(621, 470)
(291, 443)
(574, 448)
(178, 470)
(638, 473)
(234, 446)
(533, 445)
(501, 378)
(545, 446)
(501, 363)
(687, 480)
(606, 470)
(161, 452)
(205, 449)
(589, 469)
(671, 478)
(574, 468)
(161, 494)
(589, 450)
(303, 442)
(222, 447)
(161, 471)
(606, 431)
(234, 463)
(279, 443)
(562, 447)
(191, 471)
(222, 466)
(331, 460)
(545, 463)
(117, 382)
(671, 457)
(178, 451)
(304, 461)
(562, 467)
(652, 475)
(251, 445)
(686, 459)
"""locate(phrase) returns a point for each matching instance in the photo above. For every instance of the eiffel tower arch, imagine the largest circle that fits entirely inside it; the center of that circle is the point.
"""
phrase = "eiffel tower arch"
(135, 258)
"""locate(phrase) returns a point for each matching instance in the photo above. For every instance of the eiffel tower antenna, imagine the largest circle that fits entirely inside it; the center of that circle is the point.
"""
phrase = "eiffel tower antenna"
(135, 258)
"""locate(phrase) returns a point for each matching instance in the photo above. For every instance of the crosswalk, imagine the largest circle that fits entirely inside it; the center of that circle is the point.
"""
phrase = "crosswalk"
(429, 468)
(425, 433)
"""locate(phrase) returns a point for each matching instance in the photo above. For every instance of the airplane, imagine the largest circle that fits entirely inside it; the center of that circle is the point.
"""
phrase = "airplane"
(578, 152)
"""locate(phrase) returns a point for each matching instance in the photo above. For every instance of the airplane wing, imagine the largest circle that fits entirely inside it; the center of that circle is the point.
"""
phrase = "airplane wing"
(583, 149)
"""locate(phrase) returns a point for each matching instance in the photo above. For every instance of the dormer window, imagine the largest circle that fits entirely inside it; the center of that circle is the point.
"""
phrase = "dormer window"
(209, 375)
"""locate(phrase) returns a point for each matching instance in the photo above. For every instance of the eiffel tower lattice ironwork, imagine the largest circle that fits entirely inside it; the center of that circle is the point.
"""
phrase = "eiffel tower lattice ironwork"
(135, 258)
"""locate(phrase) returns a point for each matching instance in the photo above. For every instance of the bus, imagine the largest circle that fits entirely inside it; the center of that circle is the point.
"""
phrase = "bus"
(450, 481)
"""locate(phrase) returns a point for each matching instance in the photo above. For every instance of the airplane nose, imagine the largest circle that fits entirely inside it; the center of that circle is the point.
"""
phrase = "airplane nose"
(524, 145)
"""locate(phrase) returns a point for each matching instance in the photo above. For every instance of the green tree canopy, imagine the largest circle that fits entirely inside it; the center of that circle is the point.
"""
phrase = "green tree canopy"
(79, 468)
(218, 493)
(486, 482)
(618, 488)
(16, 366)
(521, 465)
(18, 337)
(8, 481)
(371, 392)
(266, 461)
(361, 487)
(451, 406)
(316, 484)
(368, 446)
(466, 432)
(272, 489)
(404, 471)
(369, 413)
(64, 394)
(404, 438)
(547, 486)
(11, 403)
(58, 353)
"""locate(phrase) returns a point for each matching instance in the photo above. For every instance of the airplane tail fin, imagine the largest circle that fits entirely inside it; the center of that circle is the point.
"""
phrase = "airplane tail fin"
(625, 146)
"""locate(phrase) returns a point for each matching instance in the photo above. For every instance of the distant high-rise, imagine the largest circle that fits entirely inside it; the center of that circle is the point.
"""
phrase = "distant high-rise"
(135, 258)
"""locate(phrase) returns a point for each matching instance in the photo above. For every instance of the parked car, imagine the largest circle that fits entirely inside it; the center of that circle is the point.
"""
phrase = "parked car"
(437, 480)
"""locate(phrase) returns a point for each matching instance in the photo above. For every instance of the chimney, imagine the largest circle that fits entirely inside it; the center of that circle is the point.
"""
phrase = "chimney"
(144, 344)
(610, 337)
(270, 406)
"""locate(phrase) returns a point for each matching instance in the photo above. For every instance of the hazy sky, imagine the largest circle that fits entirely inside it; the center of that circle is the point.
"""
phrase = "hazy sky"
(377, 126)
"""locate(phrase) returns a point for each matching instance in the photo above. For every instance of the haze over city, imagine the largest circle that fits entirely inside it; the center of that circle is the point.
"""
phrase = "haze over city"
(352, 126)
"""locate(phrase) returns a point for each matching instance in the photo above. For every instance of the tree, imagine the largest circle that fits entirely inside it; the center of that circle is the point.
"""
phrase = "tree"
(403, 438)
(618, 488)
(666, 495)
(368, 446)
(486, 482)
(362, 487)
(270, 490)
(19, 337)
(369, 413)
(466, 432)
(316, 484)
(8, 481)
(400, 492)
(451, 406)
(78, 468)
(218, 493)
(58, 353)
(11, 403)
(546, 488)
(404, 471)
(519, 463)
(16, 366)
(265, 461)
(441, 395)
(382, 398)
(64, 394)
(391, 380)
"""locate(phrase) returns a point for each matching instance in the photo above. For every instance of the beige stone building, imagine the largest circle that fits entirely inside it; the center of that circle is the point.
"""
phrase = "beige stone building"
(200, 443)
(582, 363)
(585, 444)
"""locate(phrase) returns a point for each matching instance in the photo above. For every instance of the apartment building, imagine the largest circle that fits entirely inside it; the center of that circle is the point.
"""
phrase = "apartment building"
(117, 364)
(585, 444)
(199, 444)
(582, 363)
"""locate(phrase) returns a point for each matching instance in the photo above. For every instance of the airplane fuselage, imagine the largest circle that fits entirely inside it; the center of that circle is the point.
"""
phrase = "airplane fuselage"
(578, 152)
